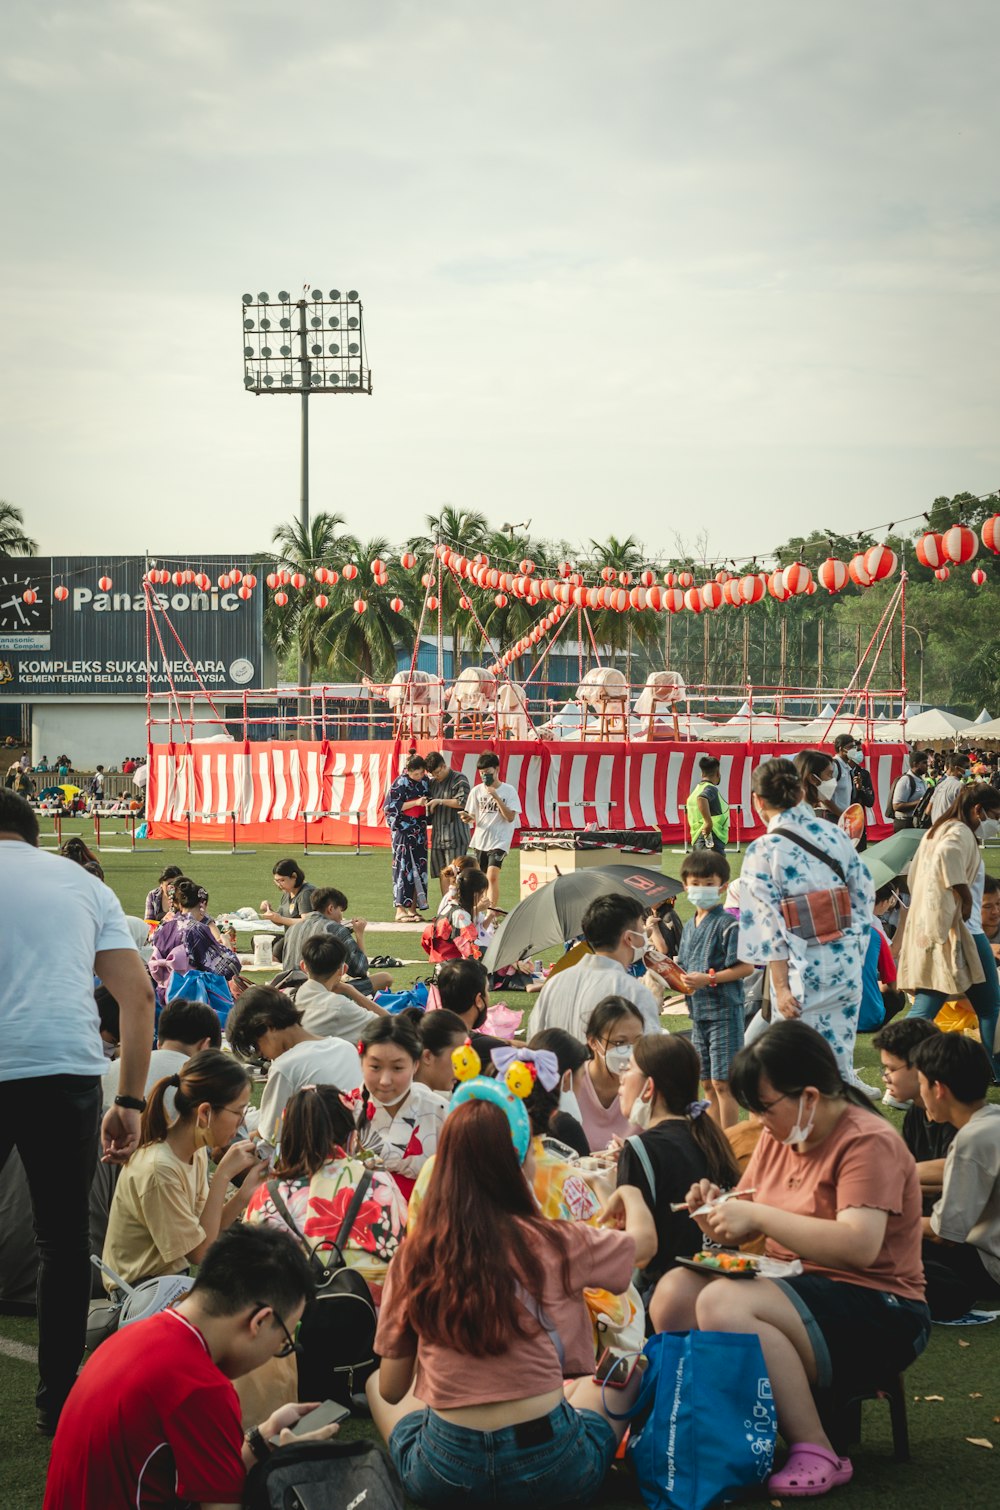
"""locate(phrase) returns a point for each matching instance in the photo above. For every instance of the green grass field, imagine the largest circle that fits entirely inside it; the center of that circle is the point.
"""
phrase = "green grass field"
(961, 1366)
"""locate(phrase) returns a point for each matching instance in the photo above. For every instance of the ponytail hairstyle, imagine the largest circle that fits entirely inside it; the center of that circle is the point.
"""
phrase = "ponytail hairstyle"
(398, 1031)
(78, 852)
(973, 794)
(188, 893)
(672, 1063)
(810, 765)
(209, 1075)
(777, 783)
(290, 869)
(437, 1030)
(790, 1056)
(315, 1124)
(470, 886)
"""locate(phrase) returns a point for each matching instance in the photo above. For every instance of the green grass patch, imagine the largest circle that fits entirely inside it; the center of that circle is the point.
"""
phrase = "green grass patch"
(960, 1365)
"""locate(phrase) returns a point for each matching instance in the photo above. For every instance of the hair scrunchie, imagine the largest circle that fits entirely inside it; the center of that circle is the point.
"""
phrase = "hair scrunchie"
(695, 1108)
(174, 1080)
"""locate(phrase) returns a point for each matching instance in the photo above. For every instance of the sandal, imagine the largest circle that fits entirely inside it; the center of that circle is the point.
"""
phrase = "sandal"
(809, 1471)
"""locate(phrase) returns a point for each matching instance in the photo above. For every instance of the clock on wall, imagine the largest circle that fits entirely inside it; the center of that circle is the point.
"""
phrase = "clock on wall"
(25, 625)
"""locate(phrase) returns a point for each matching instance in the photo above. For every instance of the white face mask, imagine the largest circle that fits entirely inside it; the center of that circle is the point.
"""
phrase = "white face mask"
(639, 950)
(826, 789)
(704, 896)
(617, 1059)
(569, 1104)
(799, 1134)
(641, 1111)
(856, 755)
(386, 1105)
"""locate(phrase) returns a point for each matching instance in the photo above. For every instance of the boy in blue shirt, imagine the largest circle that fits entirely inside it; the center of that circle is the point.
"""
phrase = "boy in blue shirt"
(707, 956)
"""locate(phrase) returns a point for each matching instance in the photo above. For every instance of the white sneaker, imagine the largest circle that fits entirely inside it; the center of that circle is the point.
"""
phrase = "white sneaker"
(900, 1106)
(863, 1086)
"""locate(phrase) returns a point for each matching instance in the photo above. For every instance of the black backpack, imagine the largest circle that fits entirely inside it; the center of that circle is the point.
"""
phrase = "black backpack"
(324, 1476)
(862, 789)
(922, 811)
(337, 1332)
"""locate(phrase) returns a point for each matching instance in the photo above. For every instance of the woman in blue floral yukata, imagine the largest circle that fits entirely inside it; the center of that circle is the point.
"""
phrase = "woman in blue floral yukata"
(406, 815)
(317, 1179)
(817, 982)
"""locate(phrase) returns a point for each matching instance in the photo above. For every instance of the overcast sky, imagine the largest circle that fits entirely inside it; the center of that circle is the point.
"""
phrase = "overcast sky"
(648, 267)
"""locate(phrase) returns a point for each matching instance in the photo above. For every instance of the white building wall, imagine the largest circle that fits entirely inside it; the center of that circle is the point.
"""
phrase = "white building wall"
(100, 731)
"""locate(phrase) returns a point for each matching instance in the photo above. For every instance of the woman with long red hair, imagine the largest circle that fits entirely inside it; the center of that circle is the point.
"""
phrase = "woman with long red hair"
(483, 1318)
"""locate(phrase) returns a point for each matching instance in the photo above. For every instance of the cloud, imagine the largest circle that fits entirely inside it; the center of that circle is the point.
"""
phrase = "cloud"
(651, 261)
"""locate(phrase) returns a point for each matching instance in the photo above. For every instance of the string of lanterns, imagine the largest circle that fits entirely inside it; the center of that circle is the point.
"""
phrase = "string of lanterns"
(614, 590)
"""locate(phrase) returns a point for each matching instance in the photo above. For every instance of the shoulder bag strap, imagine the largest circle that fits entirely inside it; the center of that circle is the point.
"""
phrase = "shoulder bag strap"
(814, 849)
(638, 1148)
(546, 1323)
(350, 1215)
(283, 1211)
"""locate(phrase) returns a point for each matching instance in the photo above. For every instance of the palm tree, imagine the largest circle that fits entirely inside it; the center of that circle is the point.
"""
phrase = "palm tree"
(298, 626)
(364, 644)
(13, 540)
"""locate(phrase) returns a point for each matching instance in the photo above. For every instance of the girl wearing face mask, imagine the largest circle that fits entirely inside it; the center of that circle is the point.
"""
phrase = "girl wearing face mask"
(673, 1144)
(819, 782)
(613, 1029)
(165, 1214)
(565, 1122)
(945, 953)
(397, 1118)
(835, 1187)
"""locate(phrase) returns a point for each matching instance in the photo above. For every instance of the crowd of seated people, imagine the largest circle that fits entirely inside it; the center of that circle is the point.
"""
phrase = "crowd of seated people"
(484, 1233)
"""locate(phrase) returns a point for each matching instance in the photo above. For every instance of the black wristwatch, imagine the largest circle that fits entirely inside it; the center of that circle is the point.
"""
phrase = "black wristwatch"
(257, 1445)
(131, 1103)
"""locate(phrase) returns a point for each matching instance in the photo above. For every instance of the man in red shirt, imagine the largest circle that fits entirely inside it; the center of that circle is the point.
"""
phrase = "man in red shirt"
(154, 1420)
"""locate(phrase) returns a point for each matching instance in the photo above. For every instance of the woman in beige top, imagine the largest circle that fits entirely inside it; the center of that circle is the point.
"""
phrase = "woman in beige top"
(945, 953)
(165, 1213)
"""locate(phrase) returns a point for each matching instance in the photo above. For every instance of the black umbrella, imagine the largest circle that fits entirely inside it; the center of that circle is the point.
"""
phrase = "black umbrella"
(555, 912)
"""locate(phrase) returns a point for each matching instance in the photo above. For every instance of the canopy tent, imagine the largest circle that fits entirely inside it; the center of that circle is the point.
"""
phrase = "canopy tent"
(882, 731)
(983, 734)
(937, 728)
(983, 717)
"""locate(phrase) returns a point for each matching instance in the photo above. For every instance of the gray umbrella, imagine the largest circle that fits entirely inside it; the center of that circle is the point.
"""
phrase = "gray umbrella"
(555, 912)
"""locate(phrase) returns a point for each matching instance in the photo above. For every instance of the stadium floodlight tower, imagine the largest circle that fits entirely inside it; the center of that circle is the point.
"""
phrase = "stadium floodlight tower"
(311, 345)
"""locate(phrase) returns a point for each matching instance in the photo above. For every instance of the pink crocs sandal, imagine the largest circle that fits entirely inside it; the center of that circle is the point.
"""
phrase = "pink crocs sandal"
(810, 1470)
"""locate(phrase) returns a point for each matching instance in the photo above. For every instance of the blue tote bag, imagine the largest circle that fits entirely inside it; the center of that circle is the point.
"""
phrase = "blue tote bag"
(706, 1424)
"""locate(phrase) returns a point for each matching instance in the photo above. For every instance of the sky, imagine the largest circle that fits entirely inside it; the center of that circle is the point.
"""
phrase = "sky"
(673, 270)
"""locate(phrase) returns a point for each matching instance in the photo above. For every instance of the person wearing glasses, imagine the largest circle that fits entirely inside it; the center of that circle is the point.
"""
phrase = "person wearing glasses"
(166, 1214)
(154, 1418)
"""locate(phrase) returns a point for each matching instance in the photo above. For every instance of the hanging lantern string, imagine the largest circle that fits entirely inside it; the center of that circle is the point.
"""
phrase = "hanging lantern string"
(663, 559)
(479, 625)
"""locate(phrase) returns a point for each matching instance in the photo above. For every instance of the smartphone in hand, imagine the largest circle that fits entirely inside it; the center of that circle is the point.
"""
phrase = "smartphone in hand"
(330, 1413)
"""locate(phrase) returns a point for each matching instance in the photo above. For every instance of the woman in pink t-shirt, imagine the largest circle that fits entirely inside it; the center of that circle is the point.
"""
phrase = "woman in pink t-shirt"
(834, 1186)
(483, 1318)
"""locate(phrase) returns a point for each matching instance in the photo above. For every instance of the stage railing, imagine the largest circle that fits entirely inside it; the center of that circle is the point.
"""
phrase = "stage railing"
(739, 714)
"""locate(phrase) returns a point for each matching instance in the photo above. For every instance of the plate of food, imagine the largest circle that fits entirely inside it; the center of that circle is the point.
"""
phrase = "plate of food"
(728, 1263)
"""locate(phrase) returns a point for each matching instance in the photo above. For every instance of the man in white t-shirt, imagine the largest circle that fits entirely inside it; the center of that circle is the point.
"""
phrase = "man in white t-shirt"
(60, 927)
(613, 927)
(493, 808)
(267, 1024)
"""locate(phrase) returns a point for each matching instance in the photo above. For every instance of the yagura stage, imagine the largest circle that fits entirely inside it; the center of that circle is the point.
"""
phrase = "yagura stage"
(331, 793)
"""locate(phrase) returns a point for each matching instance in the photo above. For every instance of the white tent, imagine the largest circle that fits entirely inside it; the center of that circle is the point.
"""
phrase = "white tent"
(765, 729)
(983, 718)
(982, 734)
(936, 727)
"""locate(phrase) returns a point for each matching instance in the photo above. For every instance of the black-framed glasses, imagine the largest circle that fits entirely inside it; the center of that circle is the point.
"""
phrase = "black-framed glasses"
(768, 1106)
(291, 1346)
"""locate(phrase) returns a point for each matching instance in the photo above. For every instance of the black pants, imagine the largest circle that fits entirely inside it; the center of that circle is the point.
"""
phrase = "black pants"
(956, 1279)
(54, 1120)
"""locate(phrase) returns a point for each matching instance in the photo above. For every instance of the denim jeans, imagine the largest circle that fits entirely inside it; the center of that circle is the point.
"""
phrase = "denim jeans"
(560, 1459)
(984, 999)
(53, 1121)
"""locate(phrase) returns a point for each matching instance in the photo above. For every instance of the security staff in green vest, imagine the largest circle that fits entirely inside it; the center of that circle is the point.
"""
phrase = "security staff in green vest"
(707, 811)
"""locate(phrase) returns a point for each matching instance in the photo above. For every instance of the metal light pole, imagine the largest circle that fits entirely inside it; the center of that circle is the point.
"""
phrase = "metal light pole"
(339, 366)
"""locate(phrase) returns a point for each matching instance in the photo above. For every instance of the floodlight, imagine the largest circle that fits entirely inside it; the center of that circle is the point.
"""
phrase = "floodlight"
(248, 298)
(283, 296)
(262, 298)
(352, 295)
(335, 293)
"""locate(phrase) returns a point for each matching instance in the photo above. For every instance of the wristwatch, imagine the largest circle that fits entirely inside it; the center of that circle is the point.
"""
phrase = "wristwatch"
(131, 1103)
(257, 1445)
